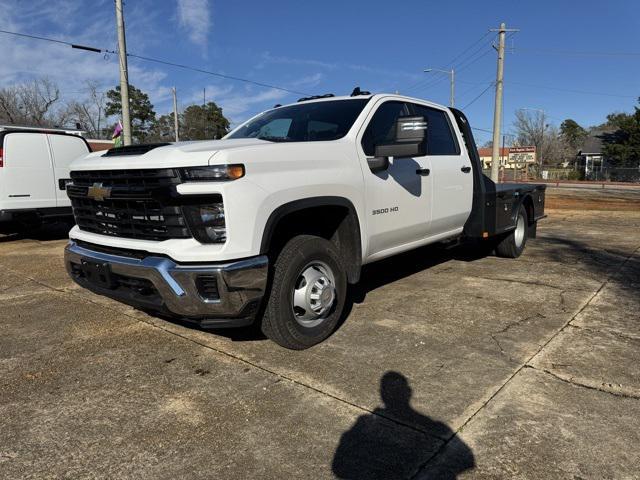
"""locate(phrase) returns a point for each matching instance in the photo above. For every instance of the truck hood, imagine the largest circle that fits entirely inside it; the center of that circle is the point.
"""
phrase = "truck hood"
(181, 154)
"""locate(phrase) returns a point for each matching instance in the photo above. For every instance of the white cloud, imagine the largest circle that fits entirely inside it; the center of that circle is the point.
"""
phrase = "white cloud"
(238, 104)
(308, 81)
(71, 69)
(267, 58)
(194, 17)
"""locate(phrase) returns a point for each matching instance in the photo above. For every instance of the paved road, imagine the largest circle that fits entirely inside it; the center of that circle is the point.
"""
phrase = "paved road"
(446, 367)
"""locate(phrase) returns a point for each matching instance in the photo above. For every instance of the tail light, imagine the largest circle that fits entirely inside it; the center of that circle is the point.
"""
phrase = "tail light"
(1, 157)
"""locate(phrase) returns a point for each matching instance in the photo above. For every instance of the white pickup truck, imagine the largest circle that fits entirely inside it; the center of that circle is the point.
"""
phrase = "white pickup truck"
(271, 223)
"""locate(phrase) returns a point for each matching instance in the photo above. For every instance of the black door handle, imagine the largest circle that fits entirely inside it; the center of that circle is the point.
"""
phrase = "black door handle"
(465, 169)
(423, 171)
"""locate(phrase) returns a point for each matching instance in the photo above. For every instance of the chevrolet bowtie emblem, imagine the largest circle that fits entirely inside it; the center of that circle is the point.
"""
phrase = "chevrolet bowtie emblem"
(98, 192)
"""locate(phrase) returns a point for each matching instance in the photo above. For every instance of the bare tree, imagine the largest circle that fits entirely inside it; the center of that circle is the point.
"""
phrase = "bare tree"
(89, 113)
(31, 103)
(532, 129)
(10, 109)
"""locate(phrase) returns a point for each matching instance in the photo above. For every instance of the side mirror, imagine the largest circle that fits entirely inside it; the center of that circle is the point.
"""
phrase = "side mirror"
(378, 164)
(410, 139)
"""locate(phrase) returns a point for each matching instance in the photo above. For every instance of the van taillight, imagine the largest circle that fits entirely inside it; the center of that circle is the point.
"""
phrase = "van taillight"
(1, 158)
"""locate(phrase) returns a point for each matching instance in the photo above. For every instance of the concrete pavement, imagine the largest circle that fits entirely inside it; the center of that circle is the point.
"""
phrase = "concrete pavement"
(447, 366)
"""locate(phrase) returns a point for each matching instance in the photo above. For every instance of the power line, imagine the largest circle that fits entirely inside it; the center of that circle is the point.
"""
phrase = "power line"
(155, 60)
(430, 83)
(579, 53)
(53, 40)
(471, 59)
(475, 88)
(458, 68)
(451, 63)
(36, 37)
(482, 129)
(480, 95)
(471, 46)
(583, 92)
(216, 74)
(461, 65)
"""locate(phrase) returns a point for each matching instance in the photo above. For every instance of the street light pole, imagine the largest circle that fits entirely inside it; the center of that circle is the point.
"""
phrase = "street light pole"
(452, 75)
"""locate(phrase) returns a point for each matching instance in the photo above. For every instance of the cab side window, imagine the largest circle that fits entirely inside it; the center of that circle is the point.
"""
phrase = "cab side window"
(440, 138)
(381, 127)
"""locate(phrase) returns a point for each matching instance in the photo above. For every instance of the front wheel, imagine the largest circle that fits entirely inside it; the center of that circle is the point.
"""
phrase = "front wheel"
(513, 244)
(307, 293)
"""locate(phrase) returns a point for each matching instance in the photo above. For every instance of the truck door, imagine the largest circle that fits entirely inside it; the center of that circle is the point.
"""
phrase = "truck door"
(28, 173)
(398, 199)
(64, 149)
(452, 174)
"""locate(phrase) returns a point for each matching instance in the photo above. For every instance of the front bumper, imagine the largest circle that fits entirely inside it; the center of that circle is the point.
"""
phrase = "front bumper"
(160, 284)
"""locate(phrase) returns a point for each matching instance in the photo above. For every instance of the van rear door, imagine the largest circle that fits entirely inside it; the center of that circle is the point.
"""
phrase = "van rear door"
(27, 172)
(64, 149)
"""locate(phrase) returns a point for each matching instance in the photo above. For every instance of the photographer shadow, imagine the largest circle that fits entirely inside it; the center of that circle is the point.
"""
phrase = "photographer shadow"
(376, 447)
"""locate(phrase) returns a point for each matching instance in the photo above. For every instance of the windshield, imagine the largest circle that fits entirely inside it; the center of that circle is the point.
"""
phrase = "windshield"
(304, 122)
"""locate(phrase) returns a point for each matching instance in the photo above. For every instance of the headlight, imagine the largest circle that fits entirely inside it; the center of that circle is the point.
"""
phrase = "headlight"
(213, 173)
(207, 222)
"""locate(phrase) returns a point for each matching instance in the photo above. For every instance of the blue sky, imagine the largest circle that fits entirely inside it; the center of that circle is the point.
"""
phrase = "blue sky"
(332, 46)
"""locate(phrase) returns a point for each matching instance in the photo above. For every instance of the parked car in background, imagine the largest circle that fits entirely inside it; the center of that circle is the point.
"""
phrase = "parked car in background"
(34, 170)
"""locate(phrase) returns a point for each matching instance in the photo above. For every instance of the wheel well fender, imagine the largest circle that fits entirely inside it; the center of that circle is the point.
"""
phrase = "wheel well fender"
(332, 218)
(527, 202)
(532, 225)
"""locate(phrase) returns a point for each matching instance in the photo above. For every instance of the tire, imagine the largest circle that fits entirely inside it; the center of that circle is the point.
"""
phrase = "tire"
(513, 244)
(307, 296)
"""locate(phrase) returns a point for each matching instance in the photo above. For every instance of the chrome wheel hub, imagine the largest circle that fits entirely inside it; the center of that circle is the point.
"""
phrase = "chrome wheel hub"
(519, 233)
(314, 294)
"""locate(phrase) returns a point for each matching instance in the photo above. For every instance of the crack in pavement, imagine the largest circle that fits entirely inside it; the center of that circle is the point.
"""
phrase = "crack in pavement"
(523, 282)
(623, 392)
(508, 327)
(615, 333)
(79, 294)
(528, 362)
(445, 441)
(563, 303)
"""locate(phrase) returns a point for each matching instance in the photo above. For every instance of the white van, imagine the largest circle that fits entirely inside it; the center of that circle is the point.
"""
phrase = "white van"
(34, 169)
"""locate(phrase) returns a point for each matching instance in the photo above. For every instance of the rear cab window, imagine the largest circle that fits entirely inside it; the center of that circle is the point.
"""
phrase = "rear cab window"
(441, 139)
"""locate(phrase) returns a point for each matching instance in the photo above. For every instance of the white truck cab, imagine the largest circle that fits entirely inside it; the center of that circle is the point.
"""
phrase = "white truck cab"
(34, 169)
(272, 222)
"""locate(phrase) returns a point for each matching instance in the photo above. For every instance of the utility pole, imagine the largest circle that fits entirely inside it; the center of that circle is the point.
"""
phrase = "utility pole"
(175, 114)
(452, 75)
(204, 114)
(453, 87)
(124, 74)
(497, 113)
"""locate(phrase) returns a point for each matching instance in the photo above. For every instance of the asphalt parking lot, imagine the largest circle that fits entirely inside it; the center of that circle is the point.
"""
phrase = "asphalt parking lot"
(446, 367)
